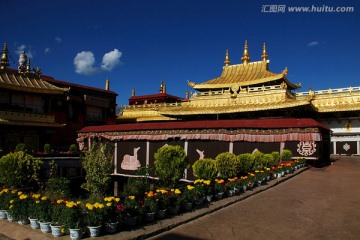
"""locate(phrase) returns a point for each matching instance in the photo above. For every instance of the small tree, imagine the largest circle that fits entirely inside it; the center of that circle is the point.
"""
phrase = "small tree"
(47, 148)
(57, 187)
(268, 160)
(258, 160)
(205, 168)
(246, 162)
(19, 170)
(286, 155)
(226, 164)
(170, 164)
(276, 156)
(73, 148)
(21, 147)
(98, 164)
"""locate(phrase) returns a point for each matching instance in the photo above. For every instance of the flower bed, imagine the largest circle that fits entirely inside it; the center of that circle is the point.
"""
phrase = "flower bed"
(129, 210)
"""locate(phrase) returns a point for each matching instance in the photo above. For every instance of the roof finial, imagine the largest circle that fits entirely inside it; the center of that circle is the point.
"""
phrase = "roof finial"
(22, 62)
(4, 62)
(133, 92)
(246, 57)
(227, 59)
(107, 84)
(28, 68)
(264, 55)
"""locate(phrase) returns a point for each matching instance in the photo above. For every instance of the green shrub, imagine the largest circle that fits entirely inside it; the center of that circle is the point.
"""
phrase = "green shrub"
(47, 148)
(137, 186)
(246, 163)
(268, 160)
(258, 160)
(226, 164)
(57, 188)
(170, 164)
(205, 168)
(286, 155)
(19, 170)
(276, 156)
(73, 148)
(21, 147)
(98, 164)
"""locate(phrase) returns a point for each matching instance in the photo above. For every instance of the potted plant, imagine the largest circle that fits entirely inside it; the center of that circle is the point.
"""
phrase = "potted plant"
(163, 202)
(188, 197)
(19, 207)
(150, 206)
(112, 208)
(219, 188)
(5, 197)
(94, 217)
(174, 200)
(72, 218)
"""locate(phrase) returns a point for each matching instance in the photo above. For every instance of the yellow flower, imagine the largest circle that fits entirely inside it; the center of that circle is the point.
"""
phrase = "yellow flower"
(12, 201)
(177, 191)
(89, 207)
(78, 202)
(131, 197)
(207, 182)
(13, 191)
(108, 204)
(117, 199)
(44, 198)
(19, 193)
(59, 201)
(189, 187)
(150, 194)
(101, 205)
(37, 201)
(11, 206)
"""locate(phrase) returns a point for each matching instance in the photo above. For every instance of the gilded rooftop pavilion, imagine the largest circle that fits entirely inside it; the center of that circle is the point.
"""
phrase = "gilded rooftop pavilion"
(249, 90)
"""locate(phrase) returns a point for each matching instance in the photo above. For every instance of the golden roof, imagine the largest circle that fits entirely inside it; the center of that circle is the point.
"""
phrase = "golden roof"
(236, 108)
(27, 82)
(245, 74)
(27, 119)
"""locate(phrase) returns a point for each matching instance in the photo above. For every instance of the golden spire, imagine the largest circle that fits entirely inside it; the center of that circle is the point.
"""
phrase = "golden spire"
(4, 62)
(246, 57)
(28, 67)
(133, 92)
(227, 59)
(264, 55)
(107, 84)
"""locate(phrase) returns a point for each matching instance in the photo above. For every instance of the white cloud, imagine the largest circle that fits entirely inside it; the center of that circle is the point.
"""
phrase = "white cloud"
(84, 63)
(58, 40)
(47, 50)
(29, 53)
(110, 60)
(314, 43)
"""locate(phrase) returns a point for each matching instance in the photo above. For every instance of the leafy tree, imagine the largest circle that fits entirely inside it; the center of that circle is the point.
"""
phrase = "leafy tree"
(258, 160)
(276, 156)
(57, 187)
(286, 155)
(226, 164)
(205, 168)
(19, 170)
(246, 163)
(21, 147)
(98, 164)
(268, 160)
(170, 164)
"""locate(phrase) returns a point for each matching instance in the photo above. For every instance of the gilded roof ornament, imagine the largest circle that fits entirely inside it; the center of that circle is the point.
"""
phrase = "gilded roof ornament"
(245, 57)
(4, 62)
(264, 55)
(284, 72)
(190, 84)
(227, 59)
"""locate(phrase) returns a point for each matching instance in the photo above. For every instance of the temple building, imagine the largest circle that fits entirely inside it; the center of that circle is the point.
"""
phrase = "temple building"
(249, 90)
(247, 107)
(36, 109)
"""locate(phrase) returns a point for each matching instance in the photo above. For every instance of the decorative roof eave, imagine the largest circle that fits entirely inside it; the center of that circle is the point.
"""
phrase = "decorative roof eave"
(145, 119)
(249, 135)
(30, 124)
(247, 83)
(58, 91)
(182, 111)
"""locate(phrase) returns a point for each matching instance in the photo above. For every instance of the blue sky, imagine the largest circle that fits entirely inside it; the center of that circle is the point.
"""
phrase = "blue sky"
(139, 43)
